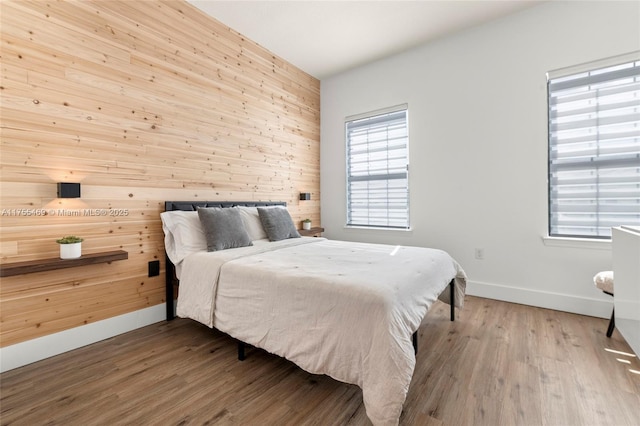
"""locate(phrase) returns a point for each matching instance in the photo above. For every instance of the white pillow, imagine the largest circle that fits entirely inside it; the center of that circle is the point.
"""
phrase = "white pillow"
(252, 223)
(183, 234)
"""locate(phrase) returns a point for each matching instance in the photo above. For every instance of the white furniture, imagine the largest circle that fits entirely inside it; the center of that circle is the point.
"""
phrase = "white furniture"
(626, 299)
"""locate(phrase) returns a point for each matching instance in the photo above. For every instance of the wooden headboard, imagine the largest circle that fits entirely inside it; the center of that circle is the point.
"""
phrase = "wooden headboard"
(171, 281)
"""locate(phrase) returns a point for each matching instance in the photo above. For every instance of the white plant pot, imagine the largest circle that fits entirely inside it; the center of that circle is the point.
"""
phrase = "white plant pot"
(70, 251)
(306, 225)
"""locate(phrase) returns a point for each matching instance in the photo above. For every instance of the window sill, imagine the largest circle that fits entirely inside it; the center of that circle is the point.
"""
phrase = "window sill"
(582, 243)
(373, 228)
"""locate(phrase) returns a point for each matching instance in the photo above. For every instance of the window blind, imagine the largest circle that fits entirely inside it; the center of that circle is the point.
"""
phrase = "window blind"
(378, 170)
(594, 151)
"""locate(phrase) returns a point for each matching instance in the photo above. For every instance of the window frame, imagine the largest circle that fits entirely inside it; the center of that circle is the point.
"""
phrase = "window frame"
(568, 73)
(370, 223)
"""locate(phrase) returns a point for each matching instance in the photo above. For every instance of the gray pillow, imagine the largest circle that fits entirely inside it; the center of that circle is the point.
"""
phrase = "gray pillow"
(223, 228)
(277, 223)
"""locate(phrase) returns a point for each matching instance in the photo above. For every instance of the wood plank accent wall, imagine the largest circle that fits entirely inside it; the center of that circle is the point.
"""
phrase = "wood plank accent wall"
(141, 102)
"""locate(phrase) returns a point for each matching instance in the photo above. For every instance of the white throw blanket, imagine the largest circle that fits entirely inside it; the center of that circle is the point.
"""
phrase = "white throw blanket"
(343, 309)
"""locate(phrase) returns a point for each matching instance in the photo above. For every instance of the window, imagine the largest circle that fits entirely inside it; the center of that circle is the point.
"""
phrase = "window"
(378, 169)
(594, 149)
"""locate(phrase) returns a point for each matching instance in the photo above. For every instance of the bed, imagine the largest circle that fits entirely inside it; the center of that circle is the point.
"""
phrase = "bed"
(344, 309)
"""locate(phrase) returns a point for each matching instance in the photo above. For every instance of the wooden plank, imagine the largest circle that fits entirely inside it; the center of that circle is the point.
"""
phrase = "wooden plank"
(140, 102)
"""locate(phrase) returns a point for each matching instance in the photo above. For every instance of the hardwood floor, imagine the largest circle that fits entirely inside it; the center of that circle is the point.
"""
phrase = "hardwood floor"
(497, 364)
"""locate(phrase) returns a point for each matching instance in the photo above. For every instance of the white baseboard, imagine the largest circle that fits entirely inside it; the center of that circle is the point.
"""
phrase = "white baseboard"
(542, 299)
(24, 353)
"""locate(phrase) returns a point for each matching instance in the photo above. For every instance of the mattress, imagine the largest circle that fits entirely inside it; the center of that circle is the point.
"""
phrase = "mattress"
(344, 309)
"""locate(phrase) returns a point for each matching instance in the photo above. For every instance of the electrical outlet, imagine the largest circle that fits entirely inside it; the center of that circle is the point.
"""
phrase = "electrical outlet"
(479, 253)
(154, 268)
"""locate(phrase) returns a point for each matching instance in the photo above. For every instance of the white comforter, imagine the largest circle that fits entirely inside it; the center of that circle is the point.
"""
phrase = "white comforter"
(339, 308)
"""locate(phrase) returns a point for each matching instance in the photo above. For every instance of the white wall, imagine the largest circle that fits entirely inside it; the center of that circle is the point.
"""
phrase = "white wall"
(478, 147)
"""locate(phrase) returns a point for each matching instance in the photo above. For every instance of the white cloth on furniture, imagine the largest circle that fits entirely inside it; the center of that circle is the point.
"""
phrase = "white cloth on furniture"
(604, 281)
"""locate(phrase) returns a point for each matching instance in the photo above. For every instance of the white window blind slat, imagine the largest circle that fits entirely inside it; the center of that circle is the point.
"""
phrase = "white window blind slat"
(377, 169)
(594, 151)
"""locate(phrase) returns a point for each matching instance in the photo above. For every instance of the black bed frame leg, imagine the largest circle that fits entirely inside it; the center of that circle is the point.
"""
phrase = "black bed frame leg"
(168, 285)
(241, 355)
(452, 299)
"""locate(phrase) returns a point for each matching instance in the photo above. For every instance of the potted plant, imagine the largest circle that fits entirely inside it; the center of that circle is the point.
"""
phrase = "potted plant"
(70, 247)
(306, 224)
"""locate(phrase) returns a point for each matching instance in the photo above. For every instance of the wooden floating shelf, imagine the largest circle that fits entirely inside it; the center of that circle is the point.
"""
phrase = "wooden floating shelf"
(41, 265)
(311, 232)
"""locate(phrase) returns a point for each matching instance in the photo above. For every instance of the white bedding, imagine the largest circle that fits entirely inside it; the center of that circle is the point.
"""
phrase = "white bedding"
(339, 308)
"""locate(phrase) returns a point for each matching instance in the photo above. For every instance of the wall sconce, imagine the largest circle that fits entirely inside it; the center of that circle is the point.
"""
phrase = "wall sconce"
(68, 190)
(305, 196)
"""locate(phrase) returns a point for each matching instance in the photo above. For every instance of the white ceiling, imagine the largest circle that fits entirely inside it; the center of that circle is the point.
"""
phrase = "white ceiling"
(327, 37)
